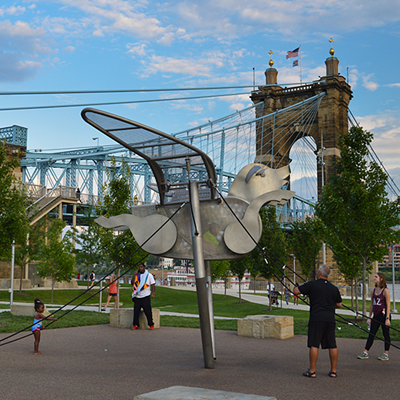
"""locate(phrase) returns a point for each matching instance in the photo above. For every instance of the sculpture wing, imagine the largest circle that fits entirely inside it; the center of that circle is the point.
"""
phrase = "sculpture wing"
(144, 228)
(163, 152)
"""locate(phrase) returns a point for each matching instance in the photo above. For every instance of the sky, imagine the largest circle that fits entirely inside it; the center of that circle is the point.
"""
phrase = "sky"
(71, 45)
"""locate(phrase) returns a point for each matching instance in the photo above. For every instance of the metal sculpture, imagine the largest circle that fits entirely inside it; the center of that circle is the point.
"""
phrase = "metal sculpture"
(204, 229)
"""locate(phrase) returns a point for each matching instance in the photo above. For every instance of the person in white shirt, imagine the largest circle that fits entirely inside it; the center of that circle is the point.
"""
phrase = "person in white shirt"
(144, 287)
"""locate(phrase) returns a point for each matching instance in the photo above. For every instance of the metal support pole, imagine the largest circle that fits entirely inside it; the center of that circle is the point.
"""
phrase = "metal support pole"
(100, 295)
(394, 281)
(321, 159)
(12, 274)
(201, 278)
(294, 269)
(210, 305)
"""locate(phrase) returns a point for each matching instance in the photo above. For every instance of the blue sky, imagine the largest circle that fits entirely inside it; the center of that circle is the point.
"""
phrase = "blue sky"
(115, 44)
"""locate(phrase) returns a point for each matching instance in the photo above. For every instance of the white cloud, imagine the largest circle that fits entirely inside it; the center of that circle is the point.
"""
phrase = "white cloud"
(137, 49)
(20, 45)
(118, 16)
(368, 83)
(386, 130)
(12, 10)
(238, 106)
(69, 49)
(187, 66)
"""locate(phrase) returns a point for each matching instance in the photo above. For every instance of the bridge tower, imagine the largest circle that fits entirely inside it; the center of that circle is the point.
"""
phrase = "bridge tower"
(332, 116)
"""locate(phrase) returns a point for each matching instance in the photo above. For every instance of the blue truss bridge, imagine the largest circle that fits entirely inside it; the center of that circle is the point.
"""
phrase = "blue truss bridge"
(231, 142)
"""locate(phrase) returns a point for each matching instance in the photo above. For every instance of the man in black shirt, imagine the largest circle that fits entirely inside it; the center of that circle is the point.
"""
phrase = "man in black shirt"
(324, 299)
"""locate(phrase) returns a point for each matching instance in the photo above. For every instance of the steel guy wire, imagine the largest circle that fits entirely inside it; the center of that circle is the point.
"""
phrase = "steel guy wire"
(101, 280)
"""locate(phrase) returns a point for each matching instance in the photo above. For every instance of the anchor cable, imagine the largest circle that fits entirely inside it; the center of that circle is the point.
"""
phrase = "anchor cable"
(101, 280)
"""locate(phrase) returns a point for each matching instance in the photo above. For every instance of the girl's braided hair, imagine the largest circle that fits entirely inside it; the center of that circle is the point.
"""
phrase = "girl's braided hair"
(38, 303)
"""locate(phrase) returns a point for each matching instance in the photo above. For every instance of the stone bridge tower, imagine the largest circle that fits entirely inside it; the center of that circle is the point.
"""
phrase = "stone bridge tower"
(332, 115)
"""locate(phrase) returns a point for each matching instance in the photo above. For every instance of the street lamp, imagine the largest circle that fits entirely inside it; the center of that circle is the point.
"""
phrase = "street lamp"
(320, 160)
(394, 281)
(294, 268)
(96, 138)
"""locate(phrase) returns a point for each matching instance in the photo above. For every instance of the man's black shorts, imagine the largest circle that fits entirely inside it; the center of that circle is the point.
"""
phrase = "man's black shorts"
(321, 333)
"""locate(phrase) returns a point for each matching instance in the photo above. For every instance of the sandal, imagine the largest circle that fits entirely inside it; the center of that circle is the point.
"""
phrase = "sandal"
(309, 374)
(332, 374)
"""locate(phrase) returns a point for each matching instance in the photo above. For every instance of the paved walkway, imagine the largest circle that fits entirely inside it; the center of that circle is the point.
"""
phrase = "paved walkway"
(100, 362)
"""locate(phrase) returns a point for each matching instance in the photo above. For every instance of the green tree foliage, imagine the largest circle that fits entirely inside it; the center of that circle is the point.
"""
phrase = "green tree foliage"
(354, 206)
(55, 254)
(306, 243)
(25, 253)
(14, 222)
(238, 267)
(270, 261)
(153, 260)
(220, 270)
(350, 266)
(89, 240)
(118, 247)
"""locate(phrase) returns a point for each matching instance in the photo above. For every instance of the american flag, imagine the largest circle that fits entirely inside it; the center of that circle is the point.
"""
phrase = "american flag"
(295, 63)
(294, 53)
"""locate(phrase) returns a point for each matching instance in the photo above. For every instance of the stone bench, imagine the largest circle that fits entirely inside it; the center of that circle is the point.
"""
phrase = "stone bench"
(123, 318)
(266, 326)
(26, 310)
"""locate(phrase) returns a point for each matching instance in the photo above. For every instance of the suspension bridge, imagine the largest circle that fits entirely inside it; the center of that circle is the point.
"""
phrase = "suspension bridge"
(295, 124)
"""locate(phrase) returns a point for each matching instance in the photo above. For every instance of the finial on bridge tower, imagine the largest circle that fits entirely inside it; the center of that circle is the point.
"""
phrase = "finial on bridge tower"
(271, 74)
(331, 51)
(271, 63)
(332, 63)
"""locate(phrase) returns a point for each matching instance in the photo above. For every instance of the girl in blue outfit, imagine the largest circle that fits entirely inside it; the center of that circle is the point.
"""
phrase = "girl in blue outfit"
(38, 325)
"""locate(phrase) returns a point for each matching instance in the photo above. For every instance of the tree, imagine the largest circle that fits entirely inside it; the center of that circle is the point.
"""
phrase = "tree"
(354, 206)
(254, 272)
(238, 267)
(220, 270)
(57, 260)
(24, 253)
(14, 222)
(306, 243)
(118, 247)
(350, 268)
(275, 243)
(89, 239)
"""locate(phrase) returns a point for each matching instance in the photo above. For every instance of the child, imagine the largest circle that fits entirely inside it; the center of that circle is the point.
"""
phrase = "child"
(38, 325)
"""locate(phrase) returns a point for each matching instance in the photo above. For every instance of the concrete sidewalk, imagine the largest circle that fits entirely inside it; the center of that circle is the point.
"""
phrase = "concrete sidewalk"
(100, 362)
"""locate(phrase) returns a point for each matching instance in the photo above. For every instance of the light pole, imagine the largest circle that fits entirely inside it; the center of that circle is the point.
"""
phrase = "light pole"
(12, 274)
(394, 281)
(294, 268)
(320, 160)
(96, 138)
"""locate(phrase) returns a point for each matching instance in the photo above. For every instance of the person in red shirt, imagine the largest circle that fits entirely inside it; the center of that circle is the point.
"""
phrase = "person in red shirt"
(112, 292)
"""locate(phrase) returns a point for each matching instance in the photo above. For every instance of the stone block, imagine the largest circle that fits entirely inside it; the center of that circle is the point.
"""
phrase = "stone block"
(123, 318)
(6, 283)
(25, 310)
(266, 326)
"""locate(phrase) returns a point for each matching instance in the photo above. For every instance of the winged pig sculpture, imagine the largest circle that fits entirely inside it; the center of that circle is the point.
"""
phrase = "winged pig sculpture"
(224, 237)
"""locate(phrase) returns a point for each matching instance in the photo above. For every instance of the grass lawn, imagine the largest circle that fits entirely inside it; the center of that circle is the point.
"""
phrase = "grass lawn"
(11, 323)
(167, 299)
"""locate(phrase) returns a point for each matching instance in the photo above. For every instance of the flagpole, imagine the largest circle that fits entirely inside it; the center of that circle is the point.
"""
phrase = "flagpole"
(301, 68)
